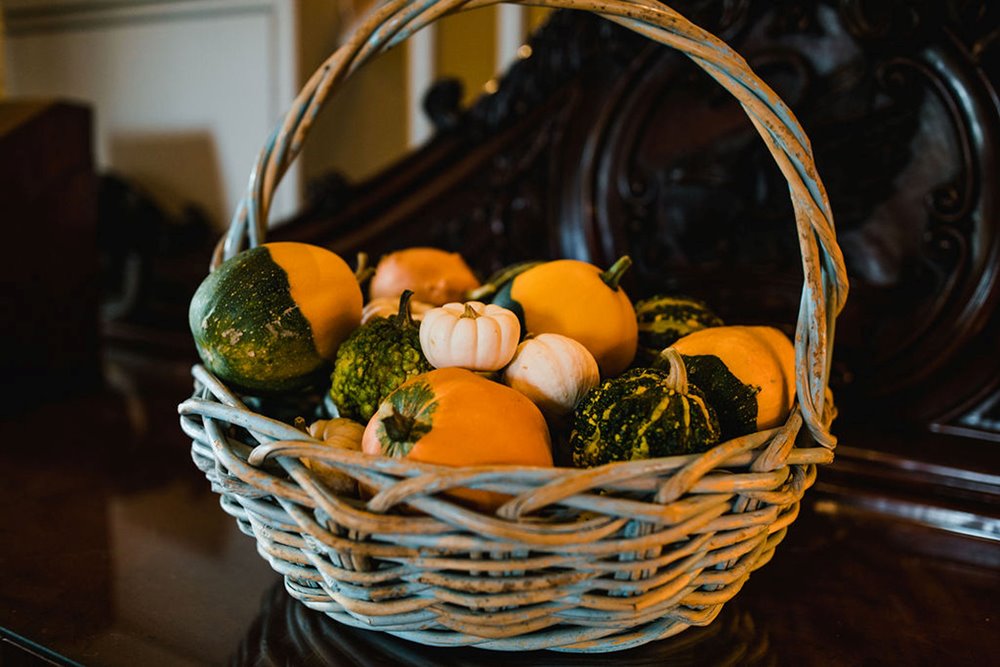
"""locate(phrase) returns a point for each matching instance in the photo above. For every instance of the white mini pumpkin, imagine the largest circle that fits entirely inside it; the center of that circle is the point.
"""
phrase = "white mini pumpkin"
(469, 335)
(554, 371)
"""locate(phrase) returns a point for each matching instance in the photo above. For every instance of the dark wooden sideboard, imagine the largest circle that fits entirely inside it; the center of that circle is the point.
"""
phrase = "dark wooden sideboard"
(115, 551)
(51, 275)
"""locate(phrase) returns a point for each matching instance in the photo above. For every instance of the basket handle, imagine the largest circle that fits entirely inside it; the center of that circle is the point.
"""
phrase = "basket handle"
(824, 287)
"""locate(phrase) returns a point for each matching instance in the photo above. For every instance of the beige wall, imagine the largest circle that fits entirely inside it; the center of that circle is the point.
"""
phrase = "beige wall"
(363, 129)
(363, 126)
(2, 62)
(232, 96)
(466, 48)
(184, 94)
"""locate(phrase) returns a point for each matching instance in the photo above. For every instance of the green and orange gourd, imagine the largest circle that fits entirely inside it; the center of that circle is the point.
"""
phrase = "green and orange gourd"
(452, 416)
(746, 372)
(271, 319)
(643, 413)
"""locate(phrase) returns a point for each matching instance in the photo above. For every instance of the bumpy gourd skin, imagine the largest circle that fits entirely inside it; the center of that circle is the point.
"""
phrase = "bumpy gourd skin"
(639, 416)
(375, 359)
(735, 403)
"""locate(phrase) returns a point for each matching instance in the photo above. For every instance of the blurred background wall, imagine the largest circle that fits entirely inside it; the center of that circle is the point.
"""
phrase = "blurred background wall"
(3, 68)
(185, 92)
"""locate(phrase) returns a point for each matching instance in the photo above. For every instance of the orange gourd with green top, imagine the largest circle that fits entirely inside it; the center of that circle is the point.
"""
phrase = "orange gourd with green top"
(271, 318)
(578, 300)
(451, 416)
(746, 372)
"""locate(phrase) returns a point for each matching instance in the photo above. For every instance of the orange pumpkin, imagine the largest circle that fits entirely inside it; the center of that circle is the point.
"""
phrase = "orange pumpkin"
(436, 276)
(452, 416)
(577, 300)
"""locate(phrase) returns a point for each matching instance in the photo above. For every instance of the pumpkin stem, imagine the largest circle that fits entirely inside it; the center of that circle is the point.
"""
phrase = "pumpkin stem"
(399, 428)
(498, 280)
(678, 378)
(470, 312)
(364, 271)
(403, 316)
(613, 275)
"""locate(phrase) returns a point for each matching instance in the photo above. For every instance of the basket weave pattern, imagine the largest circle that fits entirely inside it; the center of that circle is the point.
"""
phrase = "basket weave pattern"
(578, 560)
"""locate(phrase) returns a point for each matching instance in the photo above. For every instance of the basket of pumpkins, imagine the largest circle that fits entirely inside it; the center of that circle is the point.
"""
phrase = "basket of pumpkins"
(530, 461)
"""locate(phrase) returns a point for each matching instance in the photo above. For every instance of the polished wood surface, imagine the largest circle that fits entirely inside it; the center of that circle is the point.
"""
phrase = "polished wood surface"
(114, 551)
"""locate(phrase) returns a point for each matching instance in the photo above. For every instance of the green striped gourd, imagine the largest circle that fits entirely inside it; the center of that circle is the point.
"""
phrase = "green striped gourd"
(644, 413)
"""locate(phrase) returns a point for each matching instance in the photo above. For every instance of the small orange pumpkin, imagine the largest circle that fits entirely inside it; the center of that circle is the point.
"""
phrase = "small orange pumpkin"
(452, 416)
(578, 300)
(435, 276)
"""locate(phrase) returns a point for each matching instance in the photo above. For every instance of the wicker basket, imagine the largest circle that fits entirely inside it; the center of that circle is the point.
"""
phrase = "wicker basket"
(589, 560)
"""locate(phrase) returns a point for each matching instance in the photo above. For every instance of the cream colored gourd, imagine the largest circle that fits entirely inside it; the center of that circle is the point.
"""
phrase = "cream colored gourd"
(469, 335)
(339, 432)
(554, 371)
(388, 306)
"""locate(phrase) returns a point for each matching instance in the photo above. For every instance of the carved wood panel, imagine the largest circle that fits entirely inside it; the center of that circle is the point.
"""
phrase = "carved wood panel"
(603, 143)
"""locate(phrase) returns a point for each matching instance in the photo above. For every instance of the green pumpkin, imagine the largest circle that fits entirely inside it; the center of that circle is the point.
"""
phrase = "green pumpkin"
(644, 413)
(664, 319)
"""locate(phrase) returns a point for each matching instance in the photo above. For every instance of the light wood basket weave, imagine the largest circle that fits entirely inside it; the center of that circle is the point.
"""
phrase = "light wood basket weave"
(591, 560)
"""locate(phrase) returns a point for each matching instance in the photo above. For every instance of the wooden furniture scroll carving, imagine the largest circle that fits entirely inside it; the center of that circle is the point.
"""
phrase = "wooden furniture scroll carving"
(601, 143)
